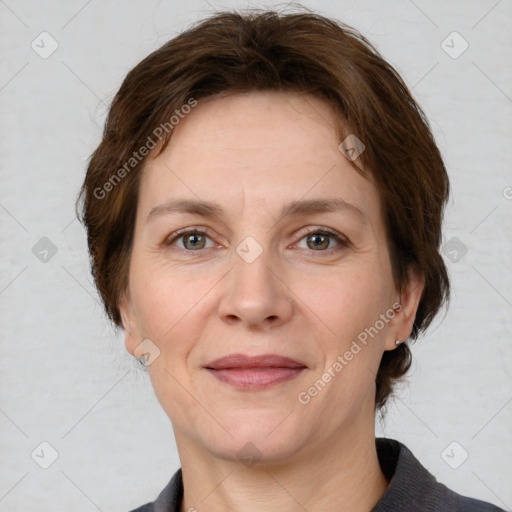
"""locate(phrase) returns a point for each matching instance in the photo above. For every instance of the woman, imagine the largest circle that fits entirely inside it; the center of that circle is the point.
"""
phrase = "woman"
(264, 220)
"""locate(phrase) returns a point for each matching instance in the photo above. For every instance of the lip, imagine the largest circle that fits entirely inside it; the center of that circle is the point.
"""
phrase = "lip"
(241, 361)
(250, 373)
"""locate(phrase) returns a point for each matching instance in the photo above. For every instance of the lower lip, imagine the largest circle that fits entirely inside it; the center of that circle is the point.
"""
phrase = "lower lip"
(251, 379)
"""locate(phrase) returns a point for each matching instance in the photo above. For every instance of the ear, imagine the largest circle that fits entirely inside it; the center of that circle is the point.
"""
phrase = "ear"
(405, 308)
(128, 318)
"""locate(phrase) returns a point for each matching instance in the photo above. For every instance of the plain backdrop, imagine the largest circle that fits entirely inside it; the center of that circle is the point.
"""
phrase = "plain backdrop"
(66, 379)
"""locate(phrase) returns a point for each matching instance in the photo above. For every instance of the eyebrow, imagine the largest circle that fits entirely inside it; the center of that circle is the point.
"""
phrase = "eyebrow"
(292, 209)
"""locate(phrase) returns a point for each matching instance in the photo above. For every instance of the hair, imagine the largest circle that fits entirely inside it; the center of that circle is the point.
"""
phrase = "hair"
(260, 50)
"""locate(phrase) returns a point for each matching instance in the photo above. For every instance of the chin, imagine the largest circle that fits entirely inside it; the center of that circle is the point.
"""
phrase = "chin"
(258, 438)
(249, 451)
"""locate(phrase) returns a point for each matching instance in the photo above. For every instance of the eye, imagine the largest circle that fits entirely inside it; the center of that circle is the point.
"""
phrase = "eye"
(193, 239)
(319, 239)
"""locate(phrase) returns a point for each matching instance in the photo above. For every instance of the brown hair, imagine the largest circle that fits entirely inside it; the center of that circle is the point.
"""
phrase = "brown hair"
(257, 50)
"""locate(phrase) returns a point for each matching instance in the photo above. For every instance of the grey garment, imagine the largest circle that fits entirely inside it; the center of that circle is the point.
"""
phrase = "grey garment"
(411, 487)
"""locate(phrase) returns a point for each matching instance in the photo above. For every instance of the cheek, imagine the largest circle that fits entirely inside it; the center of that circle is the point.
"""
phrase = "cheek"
(352, 346)
(164, 299)
(172, 310)
(348, 301)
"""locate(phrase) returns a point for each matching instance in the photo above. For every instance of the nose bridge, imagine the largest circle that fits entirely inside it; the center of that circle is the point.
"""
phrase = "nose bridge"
(252, 267)
(254, 292)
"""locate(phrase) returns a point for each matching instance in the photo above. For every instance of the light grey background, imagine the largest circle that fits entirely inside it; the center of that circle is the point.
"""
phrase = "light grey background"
(66, 378)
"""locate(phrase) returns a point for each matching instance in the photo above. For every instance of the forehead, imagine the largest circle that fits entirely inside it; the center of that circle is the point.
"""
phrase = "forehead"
(264, 147)
(252, 121)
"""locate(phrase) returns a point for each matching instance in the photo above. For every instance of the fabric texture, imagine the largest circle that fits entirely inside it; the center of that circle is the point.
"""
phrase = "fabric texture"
(411, 487)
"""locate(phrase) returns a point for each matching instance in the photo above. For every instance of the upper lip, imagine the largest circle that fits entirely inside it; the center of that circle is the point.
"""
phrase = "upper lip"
(243, 361)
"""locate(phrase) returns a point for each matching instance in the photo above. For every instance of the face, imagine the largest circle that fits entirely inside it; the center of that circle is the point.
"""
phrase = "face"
(263, 271)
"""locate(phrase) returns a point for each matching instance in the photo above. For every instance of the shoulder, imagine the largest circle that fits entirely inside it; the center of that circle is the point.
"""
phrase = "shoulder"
(148, 507)
(169, 500)
(411, 486)
(455, 502)
(466, 504)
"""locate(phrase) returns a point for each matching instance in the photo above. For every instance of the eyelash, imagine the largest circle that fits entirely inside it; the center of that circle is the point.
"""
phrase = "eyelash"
(343, 242)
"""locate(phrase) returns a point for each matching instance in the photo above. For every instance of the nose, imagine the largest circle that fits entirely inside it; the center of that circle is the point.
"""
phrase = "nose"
(255, 294)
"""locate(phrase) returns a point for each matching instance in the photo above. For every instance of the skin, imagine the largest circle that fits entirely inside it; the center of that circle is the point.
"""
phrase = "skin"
(252, 153)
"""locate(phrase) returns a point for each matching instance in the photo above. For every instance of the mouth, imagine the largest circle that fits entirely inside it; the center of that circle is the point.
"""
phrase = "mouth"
(250, 373)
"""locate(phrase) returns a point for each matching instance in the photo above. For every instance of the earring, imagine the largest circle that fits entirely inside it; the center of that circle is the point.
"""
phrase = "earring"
(398, 342)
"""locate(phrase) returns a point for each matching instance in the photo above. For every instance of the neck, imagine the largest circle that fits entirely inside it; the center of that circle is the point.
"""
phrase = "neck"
(342, 474)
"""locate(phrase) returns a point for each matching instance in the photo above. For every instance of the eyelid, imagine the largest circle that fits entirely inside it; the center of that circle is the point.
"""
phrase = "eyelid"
(176, 235)
(339, 237)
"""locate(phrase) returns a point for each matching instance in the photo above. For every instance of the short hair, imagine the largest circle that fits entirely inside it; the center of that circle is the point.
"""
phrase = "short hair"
(265, 50)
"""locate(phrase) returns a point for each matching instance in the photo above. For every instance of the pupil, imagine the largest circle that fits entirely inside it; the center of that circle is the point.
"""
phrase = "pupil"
(193, 239)
(318, 238)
